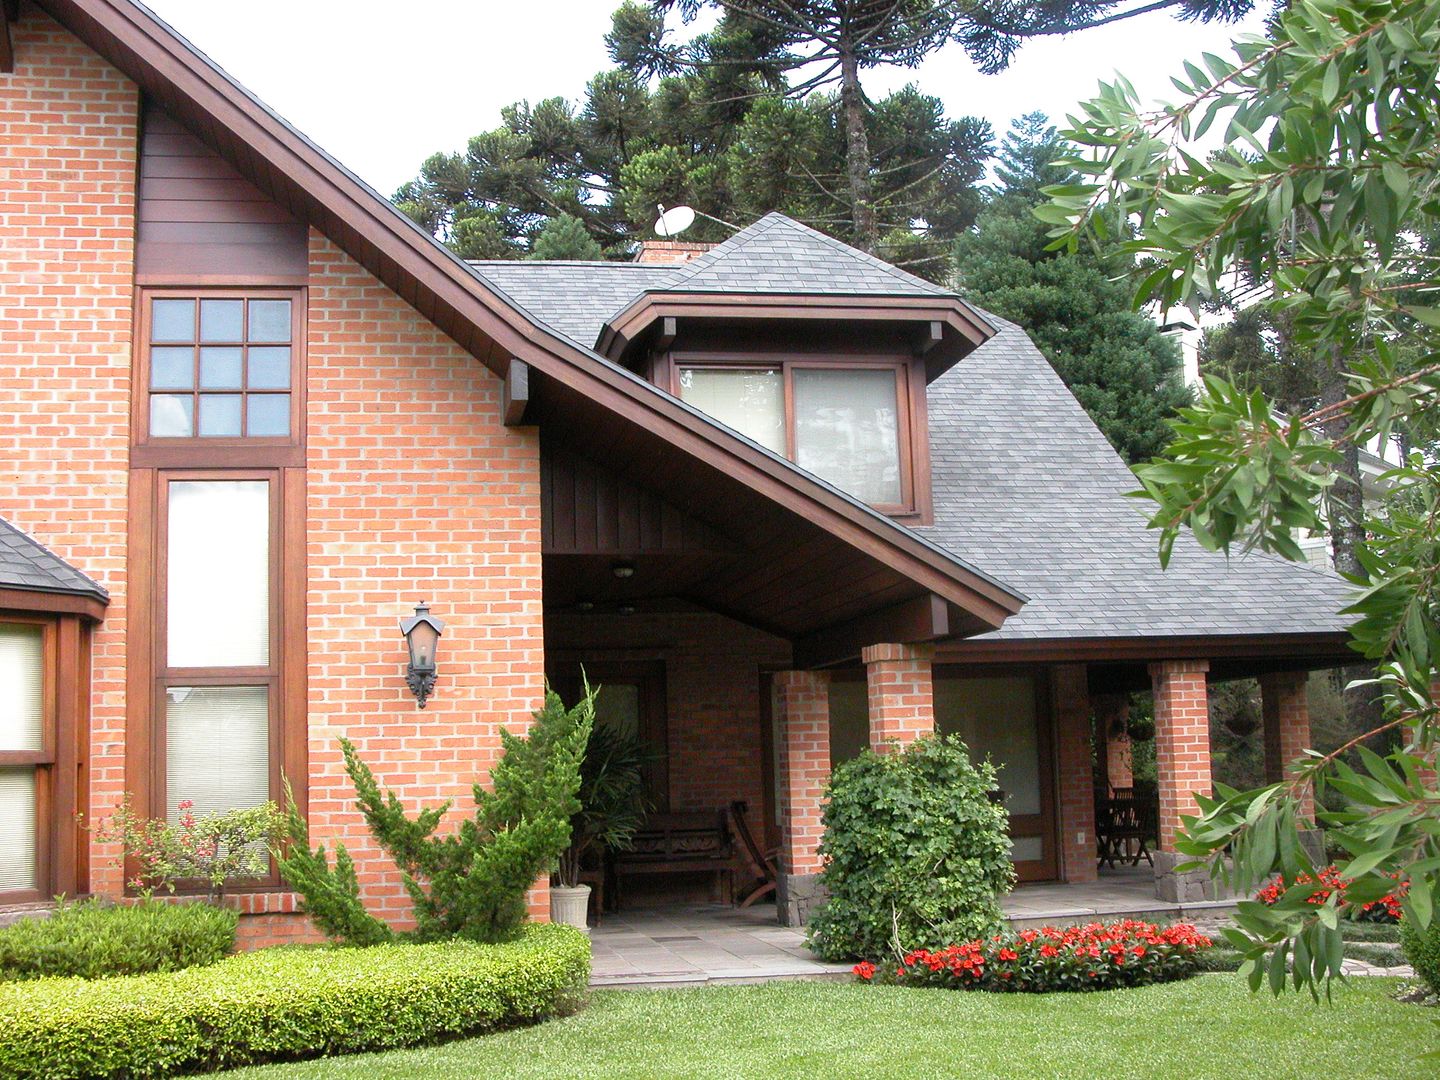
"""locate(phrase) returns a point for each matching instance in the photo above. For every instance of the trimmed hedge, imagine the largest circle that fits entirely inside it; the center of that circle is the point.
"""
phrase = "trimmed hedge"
(287, 1003)
(1422, 950)
(96, 939)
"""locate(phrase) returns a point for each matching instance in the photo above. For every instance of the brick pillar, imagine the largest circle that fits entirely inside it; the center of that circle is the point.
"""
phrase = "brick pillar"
(1112, 720)
(1182, 762)
(1286, 710)
(901, 694)
(1070, 706)
(802, 713)
(537, 900)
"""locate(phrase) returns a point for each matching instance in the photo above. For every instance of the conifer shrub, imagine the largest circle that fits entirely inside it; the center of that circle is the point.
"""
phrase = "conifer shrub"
(1422, 951)
(918, 854)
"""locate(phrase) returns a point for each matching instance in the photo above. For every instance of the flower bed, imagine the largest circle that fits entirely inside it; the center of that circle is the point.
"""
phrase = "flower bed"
(1386, 910)
(1098, 956)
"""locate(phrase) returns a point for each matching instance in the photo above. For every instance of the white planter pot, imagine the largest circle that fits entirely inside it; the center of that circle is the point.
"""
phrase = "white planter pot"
(569, 906)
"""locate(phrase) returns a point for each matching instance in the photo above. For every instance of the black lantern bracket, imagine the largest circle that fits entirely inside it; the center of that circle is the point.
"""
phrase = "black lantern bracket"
(422, 637)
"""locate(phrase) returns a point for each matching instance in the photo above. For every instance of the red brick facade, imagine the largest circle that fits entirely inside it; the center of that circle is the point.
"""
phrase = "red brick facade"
(901, 693)
(803, 733)
(1285, 703)
(1182, 741)
(1076, 807)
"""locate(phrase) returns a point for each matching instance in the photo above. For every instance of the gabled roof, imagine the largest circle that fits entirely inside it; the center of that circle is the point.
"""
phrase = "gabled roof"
(574, 297)
(27, 566)
(1026, 483)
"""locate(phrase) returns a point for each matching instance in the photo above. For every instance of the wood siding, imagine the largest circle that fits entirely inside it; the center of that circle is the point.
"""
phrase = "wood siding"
(200, 221)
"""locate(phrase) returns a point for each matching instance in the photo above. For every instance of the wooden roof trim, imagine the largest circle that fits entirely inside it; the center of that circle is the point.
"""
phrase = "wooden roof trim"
(10, 14)
(1330, 646)
(409, 260)
(32, 601)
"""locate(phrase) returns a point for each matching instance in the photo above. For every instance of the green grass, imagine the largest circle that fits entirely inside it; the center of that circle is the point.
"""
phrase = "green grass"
(1206, 1027)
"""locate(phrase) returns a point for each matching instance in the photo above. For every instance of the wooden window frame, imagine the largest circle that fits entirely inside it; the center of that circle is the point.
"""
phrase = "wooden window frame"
(239, 451)
(912, 435)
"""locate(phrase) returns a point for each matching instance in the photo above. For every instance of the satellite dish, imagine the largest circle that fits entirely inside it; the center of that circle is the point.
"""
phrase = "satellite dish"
(674, 221)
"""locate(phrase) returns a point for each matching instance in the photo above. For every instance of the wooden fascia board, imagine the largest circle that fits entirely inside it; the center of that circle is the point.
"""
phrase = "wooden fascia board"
(1329, 646)
(52, 603)
(392, 246)
(7, 44)
(515, 395)
(920, 619)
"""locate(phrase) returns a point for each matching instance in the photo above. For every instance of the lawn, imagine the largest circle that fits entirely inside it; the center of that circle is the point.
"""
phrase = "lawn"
(1206, 1027)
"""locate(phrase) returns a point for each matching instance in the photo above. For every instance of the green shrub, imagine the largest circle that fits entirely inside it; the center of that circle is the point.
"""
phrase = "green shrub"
(1422, 951)
(288, 1003)
(918, 854)
(95, 939)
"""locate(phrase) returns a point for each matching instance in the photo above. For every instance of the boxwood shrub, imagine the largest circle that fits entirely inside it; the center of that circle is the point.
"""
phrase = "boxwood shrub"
(95, 939)
(1422, 950)
(288, 1003)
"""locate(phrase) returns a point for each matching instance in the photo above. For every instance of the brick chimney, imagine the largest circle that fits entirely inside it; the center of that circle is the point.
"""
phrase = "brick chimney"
(669, 252)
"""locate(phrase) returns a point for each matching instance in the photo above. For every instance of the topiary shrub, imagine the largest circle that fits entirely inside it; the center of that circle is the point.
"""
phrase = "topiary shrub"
(288, 1003)
(918, 855)
(1422, 951)
(95, 940)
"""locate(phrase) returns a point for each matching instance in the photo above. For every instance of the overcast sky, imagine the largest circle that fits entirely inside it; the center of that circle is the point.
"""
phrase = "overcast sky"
(382, 85)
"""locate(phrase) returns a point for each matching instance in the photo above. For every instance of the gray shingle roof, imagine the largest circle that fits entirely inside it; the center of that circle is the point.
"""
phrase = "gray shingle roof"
(28, 565)
(574, 298)
(1027, 487)
(778, 255)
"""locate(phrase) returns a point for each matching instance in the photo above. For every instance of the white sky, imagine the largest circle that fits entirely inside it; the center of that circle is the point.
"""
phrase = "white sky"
(381, 85)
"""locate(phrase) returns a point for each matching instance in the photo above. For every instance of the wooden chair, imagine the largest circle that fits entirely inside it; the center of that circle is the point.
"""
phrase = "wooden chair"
(680, 843)
(764, 862)
(1124, 828)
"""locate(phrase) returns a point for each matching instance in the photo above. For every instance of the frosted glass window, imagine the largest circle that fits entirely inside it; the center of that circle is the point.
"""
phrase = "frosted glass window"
(847, 430)
(172, 415)
(752, 402)
(220, 414)
(997, 717)
(172, 367)
(270, 367)
(172, 320)
(617, 707)
(217, 748)
(849, 719)
(269, 320)
(267, 414)
(219, 367)
(218, 584)
(222, 320)
(22, 676)
(18, 829)
(1027, 849)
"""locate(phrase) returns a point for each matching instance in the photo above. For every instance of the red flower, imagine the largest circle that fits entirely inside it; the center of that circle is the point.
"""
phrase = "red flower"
(864, 969)
(1008, 954)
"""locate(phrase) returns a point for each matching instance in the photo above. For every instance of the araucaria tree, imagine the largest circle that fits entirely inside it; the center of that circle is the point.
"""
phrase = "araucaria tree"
(469, 882)
(1330, 206)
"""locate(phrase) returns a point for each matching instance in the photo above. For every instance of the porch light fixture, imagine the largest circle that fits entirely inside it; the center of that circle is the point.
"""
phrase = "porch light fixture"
(623, 570)
(422, 637)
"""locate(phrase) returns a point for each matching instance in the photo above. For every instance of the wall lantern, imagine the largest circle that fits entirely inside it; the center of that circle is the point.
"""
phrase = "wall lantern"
(422, 636)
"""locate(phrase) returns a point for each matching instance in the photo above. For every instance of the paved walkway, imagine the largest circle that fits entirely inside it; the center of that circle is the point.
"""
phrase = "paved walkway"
(1125, 892)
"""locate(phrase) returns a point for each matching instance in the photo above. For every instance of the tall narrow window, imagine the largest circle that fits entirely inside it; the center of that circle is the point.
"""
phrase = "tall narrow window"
(23, 756)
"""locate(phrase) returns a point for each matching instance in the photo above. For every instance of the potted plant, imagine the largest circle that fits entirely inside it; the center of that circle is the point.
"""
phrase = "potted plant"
(612, 807)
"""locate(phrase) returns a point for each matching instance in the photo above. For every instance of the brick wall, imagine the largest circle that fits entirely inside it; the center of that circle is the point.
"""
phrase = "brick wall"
(1286, 707)
(901, 693)
(670, 252)
(1075, 772)
(68, 126)
(415, 490)
(1182, 741)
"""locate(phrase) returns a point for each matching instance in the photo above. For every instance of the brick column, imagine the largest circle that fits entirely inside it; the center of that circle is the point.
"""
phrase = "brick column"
(1070, 706)
(802, 713)
(1286, 710)
(901, 694)
(1182, 762)
(1112, 719)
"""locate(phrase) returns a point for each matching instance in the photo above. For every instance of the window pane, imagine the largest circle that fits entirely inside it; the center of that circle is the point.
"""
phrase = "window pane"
(222, 320)
(218, 583)
(270, 368)
(847, 430)
(217, 748)
(220, 368)
(269, 320)
(617, 707)
(172, 415)
(268, 414)
(751, 402)
(996, 717)
(172, 368)
(22, 673)
(17, 829)
(172, 320)
(219, 414)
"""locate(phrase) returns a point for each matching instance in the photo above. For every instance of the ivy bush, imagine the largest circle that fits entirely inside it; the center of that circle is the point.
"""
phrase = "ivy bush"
(95, 939)
(1098, 956)
(1422, 951)
(288, 1003)
(917, 854)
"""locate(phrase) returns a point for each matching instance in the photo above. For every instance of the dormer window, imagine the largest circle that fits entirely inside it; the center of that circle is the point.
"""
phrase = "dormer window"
(848, 422)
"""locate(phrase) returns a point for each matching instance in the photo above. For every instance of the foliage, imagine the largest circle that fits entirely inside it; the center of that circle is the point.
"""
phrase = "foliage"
(917, 854)
(1386, 909)
(1422, 952)
(612, 799)
(215, 849)
(1097, 956)
(1331, 205)
(471, 882)
(94, 939)
(1121, 368)
(281, 1004)
(564, 237)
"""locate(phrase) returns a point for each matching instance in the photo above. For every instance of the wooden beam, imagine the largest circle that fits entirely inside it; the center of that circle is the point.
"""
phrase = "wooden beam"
(922, 618)
(669, 327)
(933, 334)
(30, 601)
(516, 394)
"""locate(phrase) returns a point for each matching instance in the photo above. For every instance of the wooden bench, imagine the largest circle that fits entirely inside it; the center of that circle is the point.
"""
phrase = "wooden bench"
(681, 843)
